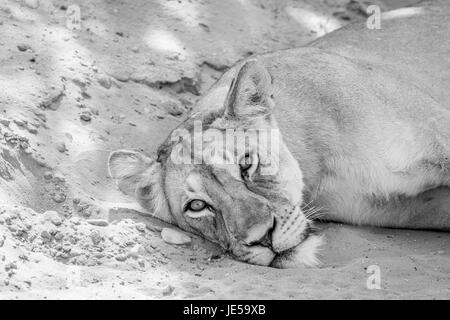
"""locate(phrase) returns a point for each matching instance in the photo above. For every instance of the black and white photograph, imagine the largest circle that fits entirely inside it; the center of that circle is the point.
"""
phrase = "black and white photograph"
(224, 150)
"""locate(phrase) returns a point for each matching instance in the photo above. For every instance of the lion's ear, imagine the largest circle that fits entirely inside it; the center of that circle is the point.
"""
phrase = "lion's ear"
(250, 92)
(140, 176)
(127, 167)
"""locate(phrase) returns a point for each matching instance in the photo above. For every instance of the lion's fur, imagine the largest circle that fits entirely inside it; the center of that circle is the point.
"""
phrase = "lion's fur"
(365, 124)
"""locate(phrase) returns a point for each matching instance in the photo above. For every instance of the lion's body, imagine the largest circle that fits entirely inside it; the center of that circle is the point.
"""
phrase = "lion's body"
(366, 113)
(364, 117)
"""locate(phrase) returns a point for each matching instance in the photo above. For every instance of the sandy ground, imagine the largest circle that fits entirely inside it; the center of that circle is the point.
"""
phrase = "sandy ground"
(125, 79)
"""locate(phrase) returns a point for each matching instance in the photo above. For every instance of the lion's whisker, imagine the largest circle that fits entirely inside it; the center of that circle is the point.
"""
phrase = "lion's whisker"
(314, 213)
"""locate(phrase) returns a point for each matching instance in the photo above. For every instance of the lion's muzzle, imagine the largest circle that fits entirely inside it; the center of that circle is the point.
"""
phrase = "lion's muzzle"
(290, 229)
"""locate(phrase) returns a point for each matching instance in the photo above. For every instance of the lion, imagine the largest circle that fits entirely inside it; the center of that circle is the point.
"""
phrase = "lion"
(363, 123)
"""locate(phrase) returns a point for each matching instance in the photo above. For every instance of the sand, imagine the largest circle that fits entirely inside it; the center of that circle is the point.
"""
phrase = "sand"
(124, 80)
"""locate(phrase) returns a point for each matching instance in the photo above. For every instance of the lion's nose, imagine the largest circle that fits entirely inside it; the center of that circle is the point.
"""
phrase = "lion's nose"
(260, 233)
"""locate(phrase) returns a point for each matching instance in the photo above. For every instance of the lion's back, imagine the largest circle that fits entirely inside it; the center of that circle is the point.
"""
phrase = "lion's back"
(414, 43)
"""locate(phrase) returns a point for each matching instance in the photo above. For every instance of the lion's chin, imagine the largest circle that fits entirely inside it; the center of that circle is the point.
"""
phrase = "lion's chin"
(304, 254)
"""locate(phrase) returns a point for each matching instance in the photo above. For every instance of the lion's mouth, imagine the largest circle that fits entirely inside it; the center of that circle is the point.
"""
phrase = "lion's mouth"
(294, 249)
(304, 236)
(291, 238)
(303, 252)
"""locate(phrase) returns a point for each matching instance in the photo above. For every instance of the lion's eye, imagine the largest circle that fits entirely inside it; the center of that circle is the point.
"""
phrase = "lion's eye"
(196, 205)
(248, 165)
(245, 163)
(197, 209)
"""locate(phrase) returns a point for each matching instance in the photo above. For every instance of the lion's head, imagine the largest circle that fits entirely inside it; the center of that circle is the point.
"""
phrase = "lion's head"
(226, 175)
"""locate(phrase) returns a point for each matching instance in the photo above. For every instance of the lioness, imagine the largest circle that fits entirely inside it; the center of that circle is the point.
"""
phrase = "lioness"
(364, 117)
